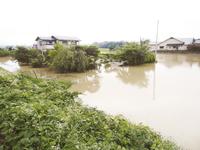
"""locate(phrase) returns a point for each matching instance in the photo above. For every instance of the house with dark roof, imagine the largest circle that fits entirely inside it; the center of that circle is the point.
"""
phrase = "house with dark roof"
(45, 43)
(172, 44)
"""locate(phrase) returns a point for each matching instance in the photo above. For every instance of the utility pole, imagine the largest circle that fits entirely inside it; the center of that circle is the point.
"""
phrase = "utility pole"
(154, 75)
(157, 37)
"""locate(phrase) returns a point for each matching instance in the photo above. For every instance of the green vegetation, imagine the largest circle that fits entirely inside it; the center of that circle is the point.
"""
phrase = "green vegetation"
(104, 50)
(194, 48)
(30, 56)
(130, 54)
(111, 45)
(135, 54)
(37, 58)
(5, 52)
(62, 59)
(73, 59)
(22, 55)
(82, 58)
(43, 114)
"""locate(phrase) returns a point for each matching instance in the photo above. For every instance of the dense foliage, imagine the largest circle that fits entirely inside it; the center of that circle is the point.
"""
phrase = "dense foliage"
(194, 47)
(33, 57)
(61, 58)
(81, 58)
(135, 54)
(22, 54)
(43, 114)
(5, 52)
(73, 59)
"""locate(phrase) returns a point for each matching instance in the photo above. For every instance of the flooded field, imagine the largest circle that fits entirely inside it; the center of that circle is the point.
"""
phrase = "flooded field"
(164, 96)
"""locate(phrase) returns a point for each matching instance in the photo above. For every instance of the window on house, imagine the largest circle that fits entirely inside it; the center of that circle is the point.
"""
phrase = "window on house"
(161, 47)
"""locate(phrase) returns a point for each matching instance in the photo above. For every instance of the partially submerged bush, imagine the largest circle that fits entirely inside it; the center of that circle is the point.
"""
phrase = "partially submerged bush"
(22, 54)
(63, 61)
(194, 47)
(135, 54)
(43, 114)
(72, 59)
(37, 58)
(81, 58)
(34, 57)
(149, 57)
(92, 51)
(38, 61)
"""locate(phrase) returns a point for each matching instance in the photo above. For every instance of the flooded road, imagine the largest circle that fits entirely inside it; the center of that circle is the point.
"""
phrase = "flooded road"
(164, 96)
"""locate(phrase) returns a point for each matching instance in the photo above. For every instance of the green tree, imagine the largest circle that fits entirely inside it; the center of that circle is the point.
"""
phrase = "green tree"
(63, 61)
(135, 54)
(22, 54)
(73, 59)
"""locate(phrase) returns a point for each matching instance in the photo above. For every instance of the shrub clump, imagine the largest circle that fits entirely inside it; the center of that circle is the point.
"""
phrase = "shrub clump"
(61, 58)
(194, 47)
(135, 54)
(22, 54)
(33, 57)
(43, 114)
(73, 59)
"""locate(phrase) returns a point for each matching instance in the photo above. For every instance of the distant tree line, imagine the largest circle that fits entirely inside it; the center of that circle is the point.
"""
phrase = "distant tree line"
(110, 44)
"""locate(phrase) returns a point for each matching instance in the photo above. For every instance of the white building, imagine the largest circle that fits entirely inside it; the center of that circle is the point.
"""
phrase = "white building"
(45, 43)
(172, 44)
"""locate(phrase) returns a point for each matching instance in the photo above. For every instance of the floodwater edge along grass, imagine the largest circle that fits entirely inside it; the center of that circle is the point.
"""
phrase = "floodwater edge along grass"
(44, 114)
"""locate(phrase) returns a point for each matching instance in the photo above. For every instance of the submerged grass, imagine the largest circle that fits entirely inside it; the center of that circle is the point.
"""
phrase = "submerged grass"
(42, 114)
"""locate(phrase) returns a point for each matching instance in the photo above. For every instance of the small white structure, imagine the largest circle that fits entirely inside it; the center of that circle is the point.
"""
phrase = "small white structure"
(172, 44)
(45, 43)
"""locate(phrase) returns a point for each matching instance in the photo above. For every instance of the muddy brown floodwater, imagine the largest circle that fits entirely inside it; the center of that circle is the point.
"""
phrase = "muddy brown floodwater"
(164, 96)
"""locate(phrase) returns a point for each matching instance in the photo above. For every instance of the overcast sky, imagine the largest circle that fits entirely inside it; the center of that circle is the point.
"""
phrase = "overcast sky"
(97, 20)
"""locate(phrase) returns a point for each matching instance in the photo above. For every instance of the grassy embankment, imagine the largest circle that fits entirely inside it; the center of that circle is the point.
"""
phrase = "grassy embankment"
(43, 114)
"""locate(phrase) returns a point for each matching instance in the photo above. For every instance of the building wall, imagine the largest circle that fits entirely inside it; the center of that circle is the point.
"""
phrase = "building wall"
(43, 45)
(164, 45)
(170, 41)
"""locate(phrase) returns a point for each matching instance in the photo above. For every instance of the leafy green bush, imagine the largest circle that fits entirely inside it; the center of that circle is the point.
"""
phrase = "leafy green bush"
(22, 54)
(149, 57)
(81, 61)
(43, 114)
(73, 59)
(194, 47)
(135, 54)
(34, 57)
(37, 58)
(92, 51)
(63, 61)
(38, 61)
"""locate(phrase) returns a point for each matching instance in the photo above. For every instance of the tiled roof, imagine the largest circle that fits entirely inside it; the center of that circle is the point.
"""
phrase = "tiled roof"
(66, 38)
(186, 40)
(44, 38)
(60, 38)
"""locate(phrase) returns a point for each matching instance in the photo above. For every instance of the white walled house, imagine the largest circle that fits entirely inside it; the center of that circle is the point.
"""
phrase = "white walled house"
(173, 44)
(46, 43)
